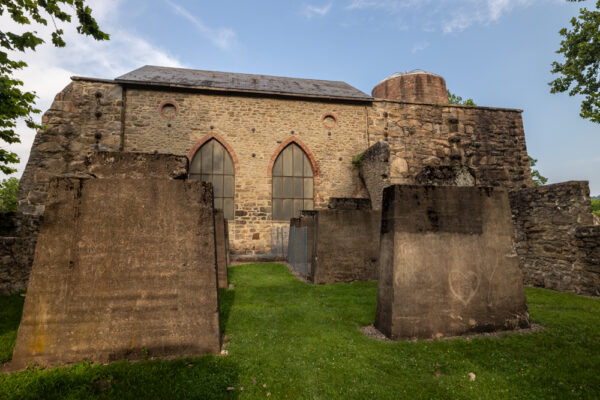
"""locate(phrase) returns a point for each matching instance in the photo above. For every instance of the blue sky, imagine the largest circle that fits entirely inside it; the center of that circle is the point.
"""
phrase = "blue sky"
(496, 51)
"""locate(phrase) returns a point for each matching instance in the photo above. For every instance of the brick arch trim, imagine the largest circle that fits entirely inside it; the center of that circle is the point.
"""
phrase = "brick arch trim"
(218, 138)
(304, 148)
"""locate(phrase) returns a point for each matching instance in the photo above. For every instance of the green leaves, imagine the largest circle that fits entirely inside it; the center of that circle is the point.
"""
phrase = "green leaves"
(8, 195)
(580, 71)
(454, 99)
(15, 103)
(538, 179)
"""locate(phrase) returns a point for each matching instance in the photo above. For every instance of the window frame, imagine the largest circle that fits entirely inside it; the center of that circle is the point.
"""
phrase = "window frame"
(290, 183)
(225, 169)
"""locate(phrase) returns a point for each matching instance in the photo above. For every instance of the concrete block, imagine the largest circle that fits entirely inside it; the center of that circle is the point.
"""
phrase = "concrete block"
(345, 245)
(221, 239)
(106, 164)
(124, 268)
(447, 264)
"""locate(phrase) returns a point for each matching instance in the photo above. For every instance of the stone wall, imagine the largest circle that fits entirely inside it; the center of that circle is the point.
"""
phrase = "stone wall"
(254, 130)
(588, 242)
(374, 167)
(489, 141)
(124, 268)
(85, 116)
(556, 242)
(447, 263)
(18, 237)
(91, 114)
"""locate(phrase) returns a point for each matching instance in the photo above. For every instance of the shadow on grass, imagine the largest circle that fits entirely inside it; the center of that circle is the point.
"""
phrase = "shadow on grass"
(226, 299)
(208, 377)
(11, 308)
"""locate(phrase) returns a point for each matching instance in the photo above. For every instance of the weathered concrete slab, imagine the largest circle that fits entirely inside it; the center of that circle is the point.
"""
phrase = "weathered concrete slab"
(447, 263)
(221, 238)
(345, 245)
(124, 268)
(107, 164)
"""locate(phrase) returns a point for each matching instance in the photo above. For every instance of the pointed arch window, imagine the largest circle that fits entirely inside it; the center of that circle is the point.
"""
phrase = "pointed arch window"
(212, 163)
(293, 181)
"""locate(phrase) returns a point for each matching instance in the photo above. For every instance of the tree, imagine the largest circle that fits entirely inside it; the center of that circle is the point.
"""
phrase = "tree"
(580, 71)
(596, 206)
(538, 179)
(8, 194)
(14, 102)
(454, 99)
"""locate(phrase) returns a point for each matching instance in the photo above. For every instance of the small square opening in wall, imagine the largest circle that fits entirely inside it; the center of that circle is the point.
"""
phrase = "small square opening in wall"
(329, 121)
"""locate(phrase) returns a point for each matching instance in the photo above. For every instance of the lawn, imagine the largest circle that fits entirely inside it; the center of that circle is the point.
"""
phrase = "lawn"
(288, 339)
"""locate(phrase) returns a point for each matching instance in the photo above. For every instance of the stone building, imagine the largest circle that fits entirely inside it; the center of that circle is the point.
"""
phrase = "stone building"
(272, 146)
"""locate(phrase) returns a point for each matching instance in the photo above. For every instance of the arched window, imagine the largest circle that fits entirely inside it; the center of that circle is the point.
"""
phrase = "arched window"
(292, 183)
(212, 163)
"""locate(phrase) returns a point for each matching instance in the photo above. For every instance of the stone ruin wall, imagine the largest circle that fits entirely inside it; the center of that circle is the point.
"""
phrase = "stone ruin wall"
(18, 237)
(557, 243)
(85, 116)
(93, 115)
(489, 141)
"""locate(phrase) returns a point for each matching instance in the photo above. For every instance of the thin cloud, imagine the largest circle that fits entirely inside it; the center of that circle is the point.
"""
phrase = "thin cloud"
(223, 38)
(449, 15)
(420, 47)
(362, 4)
(311, 10)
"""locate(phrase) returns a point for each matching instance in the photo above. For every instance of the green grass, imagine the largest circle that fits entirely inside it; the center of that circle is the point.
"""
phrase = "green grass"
(302, 341)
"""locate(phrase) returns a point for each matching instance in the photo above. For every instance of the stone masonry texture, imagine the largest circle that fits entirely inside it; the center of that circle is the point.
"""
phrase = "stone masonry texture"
(18, 236)
(447, 263)
(416, 88)
(556, 242)
(90, 115)
(124, 268)
(85, 116)
(490, 142)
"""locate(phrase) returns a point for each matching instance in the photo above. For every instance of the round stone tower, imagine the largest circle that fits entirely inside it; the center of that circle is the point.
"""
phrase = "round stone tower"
(416, 86)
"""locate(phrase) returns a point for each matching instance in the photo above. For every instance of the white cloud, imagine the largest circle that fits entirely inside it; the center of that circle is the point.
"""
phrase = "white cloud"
(362, 4)
(473, 12)
(50, 68)
(311, 10)
(223, 38)
(420, 47)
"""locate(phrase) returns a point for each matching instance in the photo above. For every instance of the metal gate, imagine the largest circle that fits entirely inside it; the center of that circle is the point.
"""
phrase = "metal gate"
(298, 250)
(279, 241)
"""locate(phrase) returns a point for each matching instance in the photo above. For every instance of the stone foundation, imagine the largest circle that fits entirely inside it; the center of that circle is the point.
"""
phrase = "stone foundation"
(447, 263)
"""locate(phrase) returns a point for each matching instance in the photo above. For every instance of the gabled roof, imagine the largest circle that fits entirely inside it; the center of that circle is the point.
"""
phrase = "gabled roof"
(242, 83)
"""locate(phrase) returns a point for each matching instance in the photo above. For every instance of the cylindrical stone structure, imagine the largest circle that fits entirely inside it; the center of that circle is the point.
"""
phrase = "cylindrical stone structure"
(416, 86)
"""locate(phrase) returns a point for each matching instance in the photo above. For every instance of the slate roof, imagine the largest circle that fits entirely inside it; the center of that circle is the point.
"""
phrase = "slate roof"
(149, 75)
